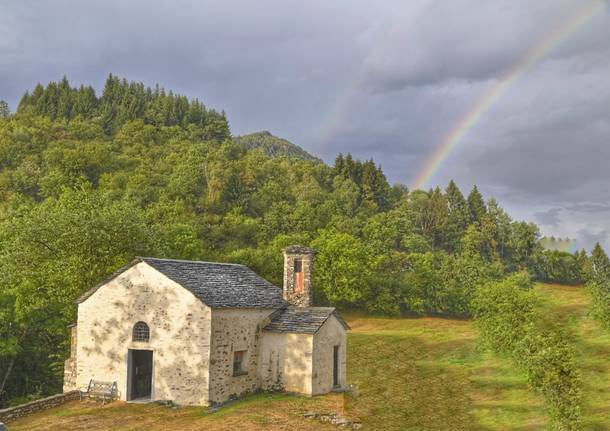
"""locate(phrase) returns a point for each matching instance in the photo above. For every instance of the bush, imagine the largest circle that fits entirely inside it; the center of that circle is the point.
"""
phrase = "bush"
(502, 310)
(510, 323)
(552, 266)
(550, 364)
(599, 292)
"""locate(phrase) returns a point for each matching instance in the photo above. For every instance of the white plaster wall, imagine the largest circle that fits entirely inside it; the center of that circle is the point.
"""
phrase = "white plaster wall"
(331, 334)
(179, 324)
(235, 329)
(286, 362)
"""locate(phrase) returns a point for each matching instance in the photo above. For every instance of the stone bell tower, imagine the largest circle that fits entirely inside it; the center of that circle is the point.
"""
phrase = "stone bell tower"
(298, 273)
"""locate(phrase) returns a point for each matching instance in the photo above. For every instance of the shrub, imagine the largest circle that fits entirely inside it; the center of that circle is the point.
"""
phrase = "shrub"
(508, 317)
(550, 365)
(599, 292)
(502, 310)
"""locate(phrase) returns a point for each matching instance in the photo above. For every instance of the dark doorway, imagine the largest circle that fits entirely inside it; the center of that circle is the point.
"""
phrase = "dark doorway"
(336, 366)
(140, 374)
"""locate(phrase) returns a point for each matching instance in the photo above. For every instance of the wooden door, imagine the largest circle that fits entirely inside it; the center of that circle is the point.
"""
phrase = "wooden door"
(141, 373)
(336, 366)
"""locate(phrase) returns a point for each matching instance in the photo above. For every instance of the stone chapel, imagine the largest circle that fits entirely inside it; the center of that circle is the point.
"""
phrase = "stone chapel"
(202, 333)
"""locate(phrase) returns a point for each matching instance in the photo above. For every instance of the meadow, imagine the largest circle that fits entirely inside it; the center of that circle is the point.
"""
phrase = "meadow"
(423, 373)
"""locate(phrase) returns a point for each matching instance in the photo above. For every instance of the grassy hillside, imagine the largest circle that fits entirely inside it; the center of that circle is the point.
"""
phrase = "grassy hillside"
(410, 374)
(428, 374)
(569, 305)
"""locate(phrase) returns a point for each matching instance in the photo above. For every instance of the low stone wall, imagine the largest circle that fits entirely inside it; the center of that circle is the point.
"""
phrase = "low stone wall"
(16, 412)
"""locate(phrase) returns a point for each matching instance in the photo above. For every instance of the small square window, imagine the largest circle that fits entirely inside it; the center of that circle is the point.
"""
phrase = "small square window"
(298, 265)
(239, 363)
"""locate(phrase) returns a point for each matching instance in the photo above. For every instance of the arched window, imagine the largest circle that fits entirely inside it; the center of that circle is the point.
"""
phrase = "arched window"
(141, 332)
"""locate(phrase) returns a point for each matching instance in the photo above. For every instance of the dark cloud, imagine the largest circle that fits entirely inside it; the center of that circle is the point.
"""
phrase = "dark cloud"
(388, 80)
(549, 217)
(588, 239)
(471, 41)
(589, 208)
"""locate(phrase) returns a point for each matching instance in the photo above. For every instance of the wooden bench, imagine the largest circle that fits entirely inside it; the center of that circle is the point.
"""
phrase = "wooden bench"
(99, 389)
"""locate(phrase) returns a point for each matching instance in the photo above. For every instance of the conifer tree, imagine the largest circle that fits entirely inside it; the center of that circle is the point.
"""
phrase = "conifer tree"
(64, 99)
(121, 102)
(476, 205)
(339, 165)
(352, 170)
(440, 214)
(4, 109)
(459, 215)
(584, 263)
(85, 102)
(37, 93)
(600, 263)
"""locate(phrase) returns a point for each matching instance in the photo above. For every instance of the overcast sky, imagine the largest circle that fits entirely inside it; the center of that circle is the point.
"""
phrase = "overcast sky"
(387, 80)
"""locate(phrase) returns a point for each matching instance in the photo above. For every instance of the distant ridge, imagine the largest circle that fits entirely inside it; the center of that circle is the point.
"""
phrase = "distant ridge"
(274, 146)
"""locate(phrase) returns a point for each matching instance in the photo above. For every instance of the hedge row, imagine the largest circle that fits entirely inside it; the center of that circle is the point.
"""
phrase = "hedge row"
(599, 293)
(509, 318)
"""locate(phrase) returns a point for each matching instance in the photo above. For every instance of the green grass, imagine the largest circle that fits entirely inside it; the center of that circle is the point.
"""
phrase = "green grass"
(568, 306)
(429, 374)
(409, 374)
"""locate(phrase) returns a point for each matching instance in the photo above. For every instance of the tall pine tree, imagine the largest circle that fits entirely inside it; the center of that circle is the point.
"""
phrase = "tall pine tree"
(4, 109)
(584, 263)
(600, 263)
(476, 205)
(458, 218)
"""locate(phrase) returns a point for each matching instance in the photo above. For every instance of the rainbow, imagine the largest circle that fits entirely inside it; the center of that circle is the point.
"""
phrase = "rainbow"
(472, 117)
(566, 245)
(405, 18)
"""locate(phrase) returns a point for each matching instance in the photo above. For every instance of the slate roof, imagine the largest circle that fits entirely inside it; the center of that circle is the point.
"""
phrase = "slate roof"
(218, 285)
(302, 320)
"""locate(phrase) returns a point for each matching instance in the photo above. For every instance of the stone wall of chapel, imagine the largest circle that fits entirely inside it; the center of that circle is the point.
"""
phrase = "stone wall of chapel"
(70, 373)
(331, 334)
(235, 329)
(180, 327)
(286, 362)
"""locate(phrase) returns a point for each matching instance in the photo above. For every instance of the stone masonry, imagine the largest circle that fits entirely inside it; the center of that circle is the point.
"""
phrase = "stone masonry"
(16, 412)
(70, 364)
(292, 295)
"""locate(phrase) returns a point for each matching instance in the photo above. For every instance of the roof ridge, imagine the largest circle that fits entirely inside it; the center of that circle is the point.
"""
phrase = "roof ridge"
(144, 258)
(215, 284)
(306, 320)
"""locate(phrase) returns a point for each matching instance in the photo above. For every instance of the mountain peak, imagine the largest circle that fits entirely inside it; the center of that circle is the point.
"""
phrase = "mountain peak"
(274, 146)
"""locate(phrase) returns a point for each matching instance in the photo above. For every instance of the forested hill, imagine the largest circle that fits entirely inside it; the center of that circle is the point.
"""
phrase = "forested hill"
(87, 182)
(274, 146)
(121, 102)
